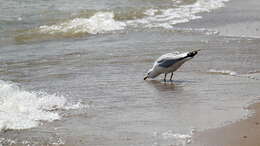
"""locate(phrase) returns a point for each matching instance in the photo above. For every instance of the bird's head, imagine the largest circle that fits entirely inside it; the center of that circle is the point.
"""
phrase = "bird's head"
(148, 74)
(192, 53)
(151, 74)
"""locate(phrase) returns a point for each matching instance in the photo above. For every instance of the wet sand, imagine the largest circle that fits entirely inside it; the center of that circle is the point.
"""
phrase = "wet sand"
(241, 133)
(245, 132)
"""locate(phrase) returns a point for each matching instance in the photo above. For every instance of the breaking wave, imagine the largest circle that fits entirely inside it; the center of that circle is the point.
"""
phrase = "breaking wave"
(166, 18)
(107, 21)
(100, 22)
(20, 109)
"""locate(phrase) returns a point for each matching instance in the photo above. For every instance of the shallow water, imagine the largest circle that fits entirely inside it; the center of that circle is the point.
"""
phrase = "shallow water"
(99, 77)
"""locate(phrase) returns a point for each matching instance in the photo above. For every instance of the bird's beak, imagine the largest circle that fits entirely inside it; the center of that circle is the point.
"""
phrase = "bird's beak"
(145, 77)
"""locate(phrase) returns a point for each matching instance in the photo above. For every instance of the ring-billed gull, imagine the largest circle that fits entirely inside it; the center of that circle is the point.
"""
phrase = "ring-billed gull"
(169, 63)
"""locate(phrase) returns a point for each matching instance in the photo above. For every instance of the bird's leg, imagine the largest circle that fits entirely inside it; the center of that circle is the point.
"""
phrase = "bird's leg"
(165, 77)
(171, 76)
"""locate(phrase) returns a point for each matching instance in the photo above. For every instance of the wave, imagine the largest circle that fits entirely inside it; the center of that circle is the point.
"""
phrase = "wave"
(255, 75)
(20, 109)
(100, 22)
(166, 18)
(171, 138)
(223, 72)
(107, 21)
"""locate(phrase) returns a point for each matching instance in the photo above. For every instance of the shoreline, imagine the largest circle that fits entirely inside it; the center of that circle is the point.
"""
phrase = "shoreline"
(237, 19)
(245, 132)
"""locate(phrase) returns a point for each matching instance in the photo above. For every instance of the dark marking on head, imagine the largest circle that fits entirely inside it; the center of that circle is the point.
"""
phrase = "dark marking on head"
(192, 54)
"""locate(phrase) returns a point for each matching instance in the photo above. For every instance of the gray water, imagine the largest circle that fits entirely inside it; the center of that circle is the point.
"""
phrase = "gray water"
(104, 72)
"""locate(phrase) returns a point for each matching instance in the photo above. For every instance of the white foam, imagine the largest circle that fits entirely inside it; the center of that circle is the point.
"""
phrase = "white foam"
(20, 109)
(101, 22)
(171, 138)
(77, 105)
(170, 134)
(255, 75)
(167, 17)
(224, 72)
(104, 22)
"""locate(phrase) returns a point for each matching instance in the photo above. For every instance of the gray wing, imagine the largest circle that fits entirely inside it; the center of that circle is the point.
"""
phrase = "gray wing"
(168, 62)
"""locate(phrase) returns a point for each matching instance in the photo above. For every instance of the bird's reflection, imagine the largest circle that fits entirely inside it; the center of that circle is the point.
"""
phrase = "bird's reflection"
(161, 85)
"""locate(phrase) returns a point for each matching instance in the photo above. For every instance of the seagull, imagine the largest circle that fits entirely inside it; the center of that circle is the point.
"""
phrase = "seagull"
(169, 63)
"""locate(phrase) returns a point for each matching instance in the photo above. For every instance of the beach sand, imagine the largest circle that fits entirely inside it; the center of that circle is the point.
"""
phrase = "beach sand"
(245, 132)
(241, 133)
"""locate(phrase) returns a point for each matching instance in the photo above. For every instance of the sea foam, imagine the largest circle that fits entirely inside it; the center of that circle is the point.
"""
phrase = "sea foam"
(223, 72)
(171, 138)
(103, 22)
(166, 18)
(21, 109)
(100, 22)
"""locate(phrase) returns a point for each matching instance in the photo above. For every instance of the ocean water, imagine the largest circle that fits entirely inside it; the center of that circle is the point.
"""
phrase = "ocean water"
(72, 73)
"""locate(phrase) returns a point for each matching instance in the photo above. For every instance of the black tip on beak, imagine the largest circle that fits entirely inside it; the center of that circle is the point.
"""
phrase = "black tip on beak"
(145, 77)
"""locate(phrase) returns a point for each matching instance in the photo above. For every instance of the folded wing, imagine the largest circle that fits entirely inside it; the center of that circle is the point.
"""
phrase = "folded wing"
(168, 60)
